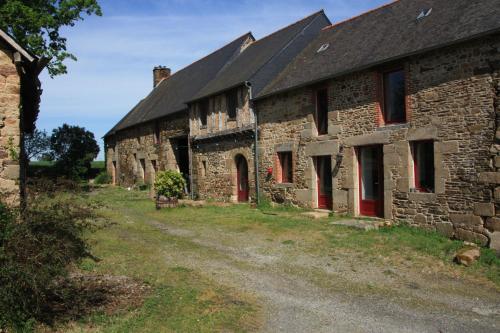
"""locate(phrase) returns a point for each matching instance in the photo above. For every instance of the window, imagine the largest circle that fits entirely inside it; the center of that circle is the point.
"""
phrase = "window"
(394, 108)
(204, 112)
(143, 168)
(322, 111)
(203, 168)
(423, 165)
(157, 137)
(286, 167)
(154, 165)
(232, 103)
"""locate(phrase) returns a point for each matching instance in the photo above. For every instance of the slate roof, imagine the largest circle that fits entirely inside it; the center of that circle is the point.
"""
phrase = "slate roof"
(170, 95)
(387, 33)
(262, 60)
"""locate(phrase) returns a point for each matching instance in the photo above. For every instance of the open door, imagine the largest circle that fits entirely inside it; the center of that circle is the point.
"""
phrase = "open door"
(324, 176)
(371, 181)
(242, 178)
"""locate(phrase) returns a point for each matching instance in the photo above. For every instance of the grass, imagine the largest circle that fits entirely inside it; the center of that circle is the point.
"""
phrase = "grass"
(186, 300)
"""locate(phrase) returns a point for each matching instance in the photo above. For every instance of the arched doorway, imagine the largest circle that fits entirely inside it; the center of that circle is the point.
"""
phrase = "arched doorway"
(241, 178)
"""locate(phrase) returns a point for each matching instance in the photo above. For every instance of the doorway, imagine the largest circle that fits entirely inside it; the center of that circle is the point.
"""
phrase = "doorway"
(323, 166)
(371, 181)
(181, 153)
(113, 172)
(242, 178)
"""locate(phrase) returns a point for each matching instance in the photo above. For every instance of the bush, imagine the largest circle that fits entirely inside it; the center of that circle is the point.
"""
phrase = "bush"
(35, 256)
(170, 184)
(102, 178)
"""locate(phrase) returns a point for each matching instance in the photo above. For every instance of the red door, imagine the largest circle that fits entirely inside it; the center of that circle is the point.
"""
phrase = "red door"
(371, 181)
(324, 175)
(242, 178)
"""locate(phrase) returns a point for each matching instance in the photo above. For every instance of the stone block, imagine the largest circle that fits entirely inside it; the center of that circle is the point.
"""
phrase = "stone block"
(447, 147)
(497, 161)
(422, 197)
(304, 196)
(446, 229)
(284, 147)
(489, 177)
(470, 236)
(420, 219)
(484, 209)
(330, 147)
(11, 172)
(495, 242)
(422, 133)
(334, 129)
(497, 194)
(493, 223)
(368, 139)
(466, 219)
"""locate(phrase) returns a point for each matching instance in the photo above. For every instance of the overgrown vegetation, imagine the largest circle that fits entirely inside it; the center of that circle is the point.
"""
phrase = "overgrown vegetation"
(170, 184)
(36, 254)
(102, 178)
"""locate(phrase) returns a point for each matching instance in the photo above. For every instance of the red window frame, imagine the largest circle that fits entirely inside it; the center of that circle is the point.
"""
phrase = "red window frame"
(286, 167)
(416, 165)
(321, 116)
(383, 98)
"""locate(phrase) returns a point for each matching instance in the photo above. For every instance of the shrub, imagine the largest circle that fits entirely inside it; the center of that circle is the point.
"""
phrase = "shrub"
(170, 184)
(102, 178)
(35, 256)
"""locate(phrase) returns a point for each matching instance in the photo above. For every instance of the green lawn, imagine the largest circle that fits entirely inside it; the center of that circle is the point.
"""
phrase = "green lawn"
(186, 300)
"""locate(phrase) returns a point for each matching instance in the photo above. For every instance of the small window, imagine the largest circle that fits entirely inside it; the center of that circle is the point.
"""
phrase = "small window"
(394, 106)
(143, 168)
(423, 165)
(322, 111)
(157, 137)
(286, 167)
(203, 168)
(154, 165)
(204, 112)
(232, 103)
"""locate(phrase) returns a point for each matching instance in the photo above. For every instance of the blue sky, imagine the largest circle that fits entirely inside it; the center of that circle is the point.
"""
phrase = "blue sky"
(117, 52)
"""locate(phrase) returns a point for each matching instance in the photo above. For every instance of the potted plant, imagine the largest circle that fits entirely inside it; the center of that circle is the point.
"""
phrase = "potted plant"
(169, 186)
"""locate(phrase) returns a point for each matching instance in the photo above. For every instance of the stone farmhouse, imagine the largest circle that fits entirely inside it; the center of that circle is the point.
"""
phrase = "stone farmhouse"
(19, 103)
(391, 114)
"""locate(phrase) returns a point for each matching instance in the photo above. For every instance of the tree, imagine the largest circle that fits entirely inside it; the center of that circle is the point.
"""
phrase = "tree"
(35, 24)
(73, 148)
(36, 145)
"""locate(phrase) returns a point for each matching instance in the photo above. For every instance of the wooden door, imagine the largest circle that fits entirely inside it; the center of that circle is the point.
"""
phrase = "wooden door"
(371, 181)
(324, 176)
(242, 178)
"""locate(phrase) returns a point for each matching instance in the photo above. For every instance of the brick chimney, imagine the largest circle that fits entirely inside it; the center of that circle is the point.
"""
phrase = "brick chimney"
(160, 73)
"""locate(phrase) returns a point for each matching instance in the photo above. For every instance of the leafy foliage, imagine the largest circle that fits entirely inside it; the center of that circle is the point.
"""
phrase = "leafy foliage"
(102, 178)
(170, 184)
(36, 145)
(73, 148)
(35, 24)
(35, 255)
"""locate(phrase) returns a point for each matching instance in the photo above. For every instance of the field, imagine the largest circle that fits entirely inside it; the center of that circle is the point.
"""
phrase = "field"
(233, 268)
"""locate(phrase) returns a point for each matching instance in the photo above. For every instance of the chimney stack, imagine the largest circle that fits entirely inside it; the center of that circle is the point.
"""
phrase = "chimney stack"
(160, 73)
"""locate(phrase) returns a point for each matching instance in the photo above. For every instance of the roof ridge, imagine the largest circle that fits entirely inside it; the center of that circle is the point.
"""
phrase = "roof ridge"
(287, 43)
(247, 34)
(360, 15)
(322, 11)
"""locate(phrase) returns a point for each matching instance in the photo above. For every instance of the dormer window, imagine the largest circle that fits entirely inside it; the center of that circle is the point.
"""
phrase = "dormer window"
(232, 103)
(204, 112)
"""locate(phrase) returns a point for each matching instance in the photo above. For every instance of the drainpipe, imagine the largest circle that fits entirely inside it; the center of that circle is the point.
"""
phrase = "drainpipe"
(256, 135)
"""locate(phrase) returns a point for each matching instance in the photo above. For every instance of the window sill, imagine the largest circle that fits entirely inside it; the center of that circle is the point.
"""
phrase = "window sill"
(393, 126)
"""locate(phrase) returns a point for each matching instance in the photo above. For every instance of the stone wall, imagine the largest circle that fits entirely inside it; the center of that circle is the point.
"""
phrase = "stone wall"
(450, 100)
(214, 167)
(10, 133)
(126, 149)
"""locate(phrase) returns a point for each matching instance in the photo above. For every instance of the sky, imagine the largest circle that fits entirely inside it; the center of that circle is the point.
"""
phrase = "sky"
(117, 52)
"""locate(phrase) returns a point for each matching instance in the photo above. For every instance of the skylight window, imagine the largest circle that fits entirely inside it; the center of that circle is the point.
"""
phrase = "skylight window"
(323, 48)
(424, 13)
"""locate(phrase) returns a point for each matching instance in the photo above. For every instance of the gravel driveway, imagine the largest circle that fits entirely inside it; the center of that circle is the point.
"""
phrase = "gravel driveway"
(306, 291)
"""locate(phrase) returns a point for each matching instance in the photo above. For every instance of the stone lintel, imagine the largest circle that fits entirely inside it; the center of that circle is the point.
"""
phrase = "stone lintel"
(322, 148)
(368, 139)
(422, 133)
(284, 147)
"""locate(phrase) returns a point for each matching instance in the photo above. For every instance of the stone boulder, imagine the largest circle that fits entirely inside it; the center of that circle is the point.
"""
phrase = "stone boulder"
(467, 255)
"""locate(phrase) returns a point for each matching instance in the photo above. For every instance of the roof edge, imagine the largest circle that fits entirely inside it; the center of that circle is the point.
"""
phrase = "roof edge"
(16, 46)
